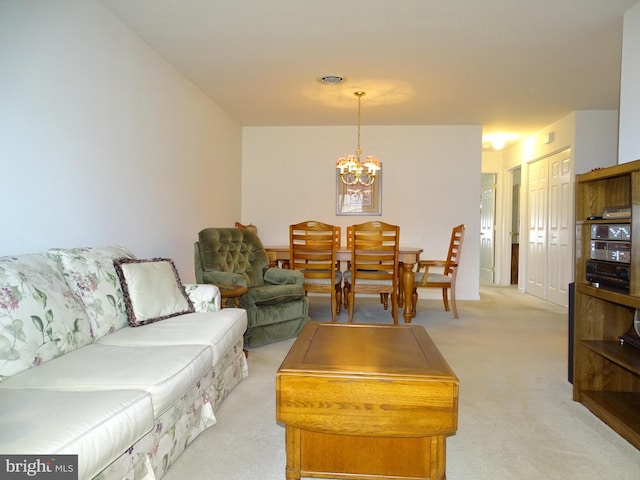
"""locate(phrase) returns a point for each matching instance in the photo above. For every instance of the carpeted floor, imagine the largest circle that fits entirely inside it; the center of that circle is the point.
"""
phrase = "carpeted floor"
(517, 420)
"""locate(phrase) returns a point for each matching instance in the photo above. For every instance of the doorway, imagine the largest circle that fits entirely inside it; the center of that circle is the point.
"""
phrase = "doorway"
(514, 233)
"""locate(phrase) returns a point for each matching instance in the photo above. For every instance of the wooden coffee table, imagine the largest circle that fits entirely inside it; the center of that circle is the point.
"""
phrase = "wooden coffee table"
(367, 402)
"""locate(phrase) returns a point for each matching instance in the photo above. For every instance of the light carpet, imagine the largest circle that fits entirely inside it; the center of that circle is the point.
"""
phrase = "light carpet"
(517, 419)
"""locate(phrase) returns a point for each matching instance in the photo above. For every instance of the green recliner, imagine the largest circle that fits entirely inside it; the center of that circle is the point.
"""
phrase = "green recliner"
(276, 305)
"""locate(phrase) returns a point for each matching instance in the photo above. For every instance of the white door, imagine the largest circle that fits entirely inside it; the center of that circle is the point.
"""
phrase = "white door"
(550, 244)
(560, 254)
(537, 241)
(487, 221)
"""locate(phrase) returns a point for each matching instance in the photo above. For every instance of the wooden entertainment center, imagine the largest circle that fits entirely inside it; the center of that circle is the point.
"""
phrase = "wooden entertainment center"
(606, 368)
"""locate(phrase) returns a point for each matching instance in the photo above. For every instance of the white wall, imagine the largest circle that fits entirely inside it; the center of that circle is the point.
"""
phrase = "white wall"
(595, 141)
(103, 142)
(591, 134)
(430, 183)
(629, 88)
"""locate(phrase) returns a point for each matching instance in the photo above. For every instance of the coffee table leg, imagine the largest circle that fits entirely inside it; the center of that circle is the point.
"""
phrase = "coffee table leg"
(438, 457)
(292, 443)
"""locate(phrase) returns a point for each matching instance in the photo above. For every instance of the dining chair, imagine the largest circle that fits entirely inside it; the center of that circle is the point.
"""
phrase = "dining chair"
(374, 263)
(312, 251)
(384, 297)
(251, 227)
(446, 279)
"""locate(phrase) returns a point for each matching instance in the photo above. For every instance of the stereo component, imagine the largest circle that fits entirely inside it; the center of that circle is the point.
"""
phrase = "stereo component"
(619, 252)
(621, 231)
(608, 274)
(616, 212)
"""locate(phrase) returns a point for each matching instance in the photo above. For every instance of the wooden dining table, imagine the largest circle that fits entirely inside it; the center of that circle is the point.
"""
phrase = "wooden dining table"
(408, 257)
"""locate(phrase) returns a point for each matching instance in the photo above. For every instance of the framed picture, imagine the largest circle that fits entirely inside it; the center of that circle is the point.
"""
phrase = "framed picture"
(358, 199)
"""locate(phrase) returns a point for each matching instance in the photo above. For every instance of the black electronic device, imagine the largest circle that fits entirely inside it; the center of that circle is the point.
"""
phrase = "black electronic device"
(608, 274)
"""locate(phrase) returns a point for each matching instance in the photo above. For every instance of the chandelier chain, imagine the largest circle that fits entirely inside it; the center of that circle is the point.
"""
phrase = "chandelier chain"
(359, 95)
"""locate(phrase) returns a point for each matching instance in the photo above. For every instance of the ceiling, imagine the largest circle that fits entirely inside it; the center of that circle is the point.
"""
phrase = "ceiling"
(512, 66)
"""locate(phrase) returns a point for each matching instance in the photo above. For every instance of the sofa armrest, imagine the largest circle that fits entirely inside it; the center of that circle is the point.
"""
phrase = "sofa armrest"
(205, 297)
(283, 276)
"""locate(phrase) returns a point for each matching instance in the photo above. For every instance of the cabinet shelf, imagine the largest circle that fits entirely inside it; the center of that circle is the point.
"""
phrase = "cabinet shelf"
(626, 356)
(605, 221)
(609, 295)
(619, 410)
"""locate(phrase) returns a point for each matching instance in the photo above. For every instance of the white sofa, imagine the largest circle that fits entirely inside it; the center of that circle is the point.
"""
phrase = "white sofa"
(76, 378)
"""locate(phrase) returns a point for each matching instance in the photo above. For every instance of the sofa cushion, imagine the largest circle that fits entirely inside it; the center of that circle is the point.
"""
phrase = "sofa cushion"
(165, 373)
(96, 426)
(152, 290)
(91, 275)
(40, 317)
(220, 331)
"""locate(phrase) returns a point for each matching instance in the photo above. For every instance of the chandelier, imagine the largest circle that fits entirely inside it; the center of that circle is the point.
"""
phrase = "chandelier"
(352, 170)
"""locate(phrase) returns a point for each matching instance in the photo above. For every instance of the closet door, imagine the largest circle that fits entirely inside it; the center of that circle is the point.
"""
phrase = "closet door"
(550, 244)
(537, 241)
(560, 244)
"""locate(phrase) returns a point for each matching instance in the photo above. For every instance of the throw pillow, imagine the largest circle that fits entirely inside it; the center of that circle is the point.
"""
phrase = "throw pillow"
(91, 275)
(152, 290)
(40, 317)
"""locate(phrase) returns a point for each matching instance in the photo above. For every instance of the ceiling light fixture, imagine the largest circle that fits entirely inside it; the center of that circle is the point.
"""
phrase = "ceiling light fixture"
(498, 142)
(352, 171)
(331, 80)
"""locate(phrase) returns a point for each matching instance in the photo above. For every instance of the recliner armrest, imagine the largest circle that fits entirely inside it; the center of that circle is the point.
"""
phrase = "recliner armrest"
(283, 276)
(214, 276)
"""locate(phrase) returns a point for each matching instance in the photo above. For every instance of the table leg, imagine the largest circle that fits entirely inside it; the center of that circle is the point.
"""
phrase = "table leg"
(400, 288)
(292, 447)
(407, 287)
(438, 457)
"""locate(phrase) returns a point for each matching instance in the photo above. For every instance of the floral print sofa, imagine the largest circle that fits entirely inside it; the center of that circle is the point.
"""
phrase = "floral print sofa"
(76, 378)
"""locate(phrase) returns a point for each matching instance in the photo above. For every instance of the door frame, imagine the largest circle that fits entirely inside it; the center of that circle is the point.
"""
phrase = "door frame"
(502, 237)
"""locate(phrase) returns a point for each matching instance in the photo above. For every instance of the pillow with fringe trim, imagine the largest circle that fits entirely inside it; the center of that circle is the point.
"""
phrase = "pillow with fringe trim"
(152, 290)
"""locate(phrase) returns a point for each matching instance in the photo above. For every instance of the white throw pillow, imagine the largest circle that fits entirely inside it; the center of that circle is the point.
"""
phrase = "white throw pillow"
(152, 290)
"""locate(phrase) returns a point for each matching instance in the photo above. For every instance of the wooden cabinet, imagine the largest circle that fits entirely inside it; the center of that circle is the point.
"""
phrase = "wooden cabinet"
(606, 371)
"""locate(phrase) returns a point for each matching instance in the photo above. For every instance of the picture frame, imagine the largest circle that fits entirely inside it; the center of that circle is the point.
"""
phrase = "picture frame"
(359, 199)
